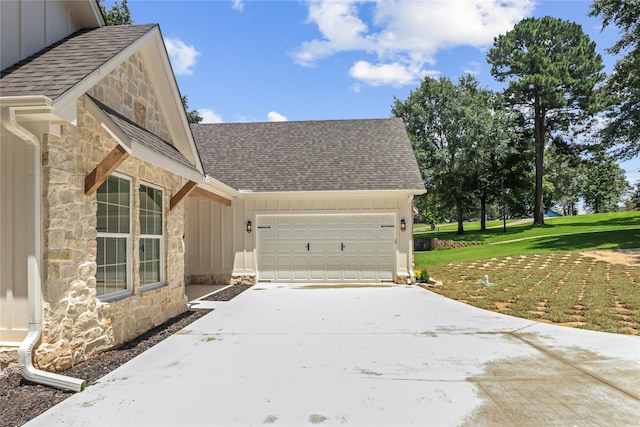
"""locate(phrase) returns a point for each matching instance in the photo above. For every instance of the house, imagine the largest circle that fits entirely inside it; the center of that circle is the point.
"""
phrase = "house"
(318, 201)
(110, 202)
(96, 156)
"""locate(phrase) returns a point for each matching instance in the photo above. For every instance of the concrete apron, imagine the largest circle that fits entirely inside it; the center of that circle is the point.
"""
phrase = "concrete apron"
(365, 355)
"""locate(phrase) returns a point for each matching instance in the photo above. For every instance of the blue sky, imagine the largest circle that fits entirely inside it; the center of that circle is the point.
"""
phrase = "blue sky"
(261, 60)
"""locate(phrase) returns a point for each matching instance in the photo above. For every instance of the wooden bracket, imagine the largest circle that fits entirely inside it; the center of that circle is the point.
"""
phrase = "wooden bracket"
(211, 196)
(182, 194)
(104, 169)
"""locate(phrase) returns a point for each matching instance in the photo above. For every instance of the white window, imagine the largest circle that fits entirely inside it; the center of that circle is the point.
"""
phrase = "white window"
(151, 236)
(113, 257)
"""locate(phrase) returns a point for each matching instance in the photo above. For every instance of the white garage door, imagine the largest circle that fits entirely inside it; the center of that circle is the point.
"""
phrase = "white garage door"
(325, 248)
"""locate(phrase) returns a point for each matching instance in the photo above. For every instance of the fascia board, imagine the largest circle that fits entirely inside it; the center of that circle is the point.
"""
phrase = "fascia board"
(144, 153)
(217, 187)
(28, 102)
(87, 12)
(329, 194)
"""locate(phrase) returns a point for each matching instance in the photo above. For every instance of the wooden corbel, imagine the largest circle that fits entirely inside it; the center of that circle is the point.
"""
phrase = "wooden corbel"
(182, 194)
(104, 169)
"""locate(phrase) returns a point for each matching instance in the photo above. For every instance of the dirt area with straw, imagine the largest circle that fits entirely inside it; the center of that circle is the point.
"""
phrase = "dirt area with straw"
(596, 290)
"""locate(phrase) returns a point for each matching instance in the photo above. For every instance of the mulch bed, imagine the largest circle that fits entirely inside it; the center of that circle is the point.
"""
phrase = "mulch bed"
(21, 400)
(226, 294)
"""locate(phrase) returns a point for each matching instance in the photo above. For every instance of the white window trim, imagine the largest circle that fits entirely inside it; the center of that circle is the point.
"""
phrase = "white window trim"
(160, 237)
(113, 296)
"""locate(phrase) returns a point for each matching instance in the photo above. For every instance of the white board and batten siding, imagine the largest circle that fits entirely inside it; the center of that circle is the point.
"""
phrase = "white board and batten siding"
(208, 237)
(29, 26)
(14, 156)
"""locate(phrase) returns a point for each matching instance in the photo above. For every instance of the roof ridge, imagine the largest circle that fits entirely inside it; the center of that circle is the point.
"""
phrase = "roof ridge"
(300, 121)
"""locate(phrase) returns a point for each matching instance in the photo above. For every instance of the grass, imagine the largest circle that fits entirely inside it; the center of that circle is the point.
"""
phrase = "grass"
(546, 276)
(553, 226)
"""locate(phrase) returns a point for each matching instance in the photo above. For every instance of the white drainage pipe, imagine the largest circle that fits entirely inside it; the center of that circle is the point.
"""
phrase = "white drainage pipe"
(34, 260)
(31, 373)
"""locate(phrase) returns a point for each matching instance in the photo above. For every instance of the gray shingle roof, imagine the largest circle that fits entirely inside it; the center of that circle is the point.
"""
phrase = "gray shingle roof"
(61, 66)
(335, 155)
(144, 137)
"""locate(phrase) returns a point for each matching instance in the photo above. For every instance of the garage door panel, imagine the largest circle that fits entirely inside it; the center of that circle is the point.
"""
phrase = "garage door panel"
(341, 248)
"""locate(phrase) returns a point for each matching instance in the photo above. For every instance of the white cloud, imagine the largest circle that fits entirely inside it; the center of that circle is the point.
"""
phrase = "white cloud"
(238, 5)
(183, 56)
(274, 116)
(405, 35)
(209, 116)
(472, 68)
(394, 74)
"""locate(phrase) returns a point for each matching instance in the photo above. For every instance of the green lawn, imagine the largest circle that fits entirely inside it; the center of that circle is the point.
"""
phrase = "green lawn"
(573, 233)
(559, 225)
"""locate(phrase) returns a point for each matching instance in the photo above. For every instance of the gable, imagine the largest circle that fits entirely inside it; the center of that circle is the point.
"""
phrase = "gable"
(127, 91)
(60, 74)
(334, 155)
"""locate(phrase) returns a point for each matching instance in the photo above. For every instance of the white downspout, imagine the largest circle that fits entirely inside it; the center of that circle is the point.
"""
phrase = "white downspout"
(34, 260)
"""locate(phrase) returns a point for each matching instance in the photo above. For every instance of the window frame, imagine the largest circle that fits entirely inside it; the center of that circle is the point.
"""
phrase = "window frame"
(128, 291)
(160, 237)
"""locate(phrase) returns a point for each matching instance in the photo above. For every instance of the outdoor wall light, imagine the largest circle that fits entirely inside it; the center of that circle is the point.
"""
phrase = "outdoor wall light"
(403, 224)
(248, 226)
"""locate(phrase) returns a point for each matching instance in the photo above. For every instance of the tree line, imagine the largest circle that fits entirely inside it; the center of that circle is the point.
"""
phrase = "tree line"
(550, 138)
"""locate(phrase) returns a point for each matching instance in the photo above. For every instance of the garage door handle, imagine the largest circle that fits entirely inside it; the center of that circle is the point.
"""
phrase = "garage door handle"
(308, 246)
(342, 246)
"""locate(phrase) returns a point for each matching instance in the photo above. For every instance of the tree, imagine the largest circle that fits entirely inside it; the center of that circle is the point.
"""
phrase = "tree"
(119, 14)
(623, 129)
(635, 198)
(604, 183)
(192, 116)
(445, 121)
(500, 158)
(553, 71)
(564, 177)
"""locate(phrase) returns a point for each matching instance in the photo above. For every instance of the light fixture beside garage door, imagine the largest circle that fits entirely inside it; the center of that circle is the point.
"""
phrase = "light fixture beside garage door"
(403, 224)
(249, 226)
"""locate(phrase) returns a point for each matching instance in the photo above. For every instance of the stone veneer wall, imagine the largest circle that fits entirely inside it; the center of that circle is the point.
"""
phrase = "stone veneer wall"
(431, 243)
(126, 90)
(220, 279)
(76, 324)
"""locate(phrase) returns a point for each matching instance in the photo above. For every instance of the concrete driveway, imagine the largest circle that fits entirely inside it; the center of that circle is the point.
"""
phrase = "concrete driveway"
(294, 355)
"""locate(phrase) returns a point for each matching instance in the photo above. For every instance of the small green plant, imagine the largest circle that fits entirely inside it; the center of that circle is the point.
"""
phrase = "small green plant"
(422, 275)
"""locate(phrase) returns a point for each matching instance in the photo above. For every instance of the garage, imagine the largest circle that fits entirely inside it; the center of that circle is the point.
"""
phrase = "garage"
(326, 248)
(328, 201)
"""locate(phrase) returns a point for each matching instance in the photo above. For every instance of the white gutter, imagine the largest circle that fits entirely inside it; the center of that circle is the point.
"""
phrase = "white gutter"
(34, 260)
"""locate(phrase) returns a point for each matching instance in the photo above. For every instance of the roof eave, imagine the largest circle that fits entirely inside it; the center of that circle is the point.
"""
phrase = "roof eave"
(328, 193)
(29, 101)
